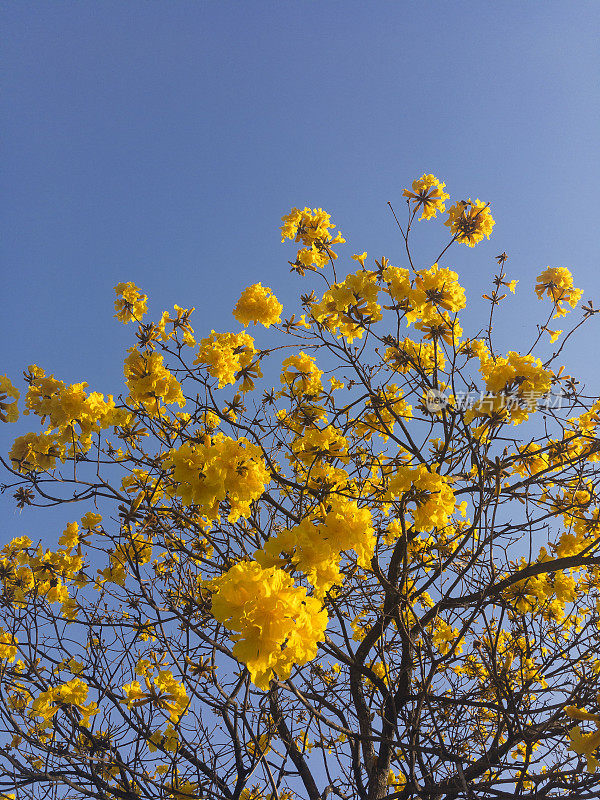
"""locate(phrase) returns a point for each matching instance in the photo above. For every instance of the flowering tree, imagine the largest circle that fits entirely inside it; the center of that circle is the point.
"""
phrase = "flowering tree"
(378, 579)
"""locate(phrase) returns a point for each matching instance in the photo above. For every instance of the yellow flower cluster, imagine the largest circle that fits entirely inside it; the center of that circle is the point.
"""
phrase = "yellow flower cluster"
(557, 284)
(71, 414)
(63, 405)
(229, 357)
(427, 194)
(585, 744)
(382, 412)
(311, 228)
(150, 382)
(186, 790)
(540, 594)
(399, 287)
(318, 444)
(207, 472)
(8, 645)
(435, 288)
(9, 411)
(167, 740)
(435, 293)
(258, 304)
(163, 691)
(130, 303)
(432, 496)
(316, 544)
(419, 356)
(179, 323)
(350, 305)
(73, 693)
(443, 636)
(135, 550)
(35, 452)
(277, 624)
(40, 573)
(470, 221)
(300, 377)
(523, 379)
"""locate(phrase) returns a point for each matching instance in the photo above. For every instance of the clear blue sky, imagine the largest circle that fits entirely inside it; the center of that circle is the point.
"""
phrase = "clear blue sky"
(161, 142)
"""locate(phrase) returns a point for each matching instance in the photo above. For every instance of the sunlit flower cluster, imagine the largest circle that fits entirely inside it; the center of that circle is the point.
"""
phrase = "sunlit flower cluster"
(315, 545)
(349, 306)
(258, 304)
(130, 304)
(163, 691)
(311, 227)
(149, 382)
(207, 472)
(230, 357)
(557, 284)
(427, 496)
(267, 611)
(428, 195)
(470, 221)
(9, 410)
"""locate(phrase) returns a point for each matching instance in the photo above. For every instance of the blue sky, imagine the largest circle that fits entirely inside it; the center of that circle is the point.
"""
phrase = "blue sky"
(161, 142)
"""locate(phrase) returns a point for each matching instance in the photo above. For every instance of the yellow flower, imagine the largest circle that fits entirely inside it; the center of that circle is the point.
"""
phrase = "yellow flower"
(419, 356)
(229, 357)
(349, 306)
(258, 304)
(130, 303)
(311, 228)
(557, 284)
(316, 545)
(277, 624)
(34, 452)
(431, 494)
(584, 745)
(207, 472)
(150, 382)
(70, 536)
(428, 194)
(8, 645)
(438, 288)
(90, 520)
(300, 376)
(439, 326)
(470, 221)
(9, 412)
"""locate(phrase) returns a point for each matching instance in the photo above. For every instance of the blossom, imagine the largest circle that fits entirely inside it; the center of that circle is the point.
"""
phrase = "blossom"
(310, 227)
(277, 624)
(427, 194)
(9, 411)
(207, 472)
(130, 303)
(470, 221)
(228, 356)
(349, 306)
(35, 452)
(315, 545)
(407, 355)
(71, 693)
(522, 380)
(258, 304)
(300, 376)
(430, 493)
(438, 288)
(557, 284)
(149, 381)
(585, 744)
(8, 645)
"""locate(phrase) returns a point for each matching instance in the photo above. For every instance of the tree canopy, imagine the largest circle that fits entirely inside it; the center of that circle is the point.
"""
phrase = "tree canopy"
(355, 555)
